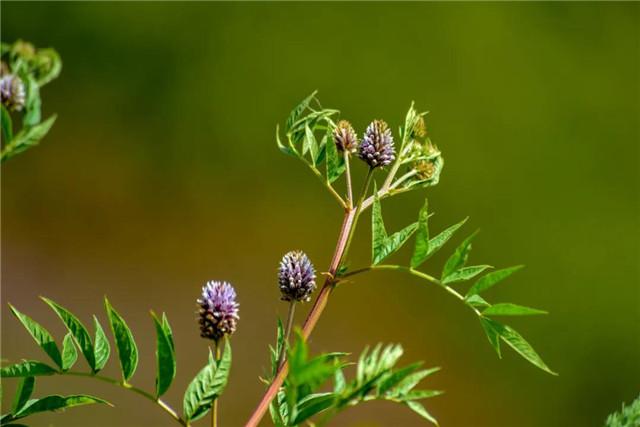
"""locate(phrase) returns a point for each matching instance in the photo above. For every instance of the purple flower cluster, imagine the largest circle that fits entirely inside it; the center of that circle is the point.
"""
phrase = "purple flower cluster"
(377, 147)
(218, 314)
(296, 277)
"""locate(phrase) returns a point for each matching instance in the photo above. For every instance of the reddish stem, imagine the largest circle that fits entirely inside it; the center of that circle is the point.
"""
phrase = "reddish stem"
(312, 319)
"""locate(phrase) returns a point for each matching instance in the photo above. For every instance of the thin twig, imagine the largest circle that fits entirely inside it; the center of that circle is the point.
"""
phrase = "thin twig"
(287, 333)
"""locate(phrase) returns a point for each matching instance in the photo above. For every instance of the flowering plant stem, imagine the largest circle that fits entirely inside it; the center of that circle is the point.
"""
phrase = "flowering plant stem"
(164, 406)
(344, 240)
(214, 408)
(287, 333)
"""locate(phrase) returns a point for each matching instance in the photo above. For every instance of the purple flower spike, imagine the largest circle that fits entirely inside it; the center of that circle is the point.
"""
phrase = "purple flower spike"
(218, 314)
(377, 147)
(296, 277)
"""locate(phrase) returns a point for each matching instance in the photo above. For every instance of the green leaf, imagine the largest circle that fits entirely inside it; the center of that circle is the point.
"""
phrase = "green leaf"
(56, 403)
(77, 329)
(69, 352)
(48, 66)
(168, 332)
(378, 232)
(421, 249)
(27, 368)
(310, 144)
(33, 103)
(519, 344)
(477, 301)
(23, 393)
(492, 335)
(125, 344)
(508, 309)
(42, 337)
(28, 137)
(465, 273)
(101, 347)
(312, 405)
(420, 410)
(7, 125)
(459, 258)
(298, 110)
(491, 279)
(280, 343)
(439, 241)
(207, 385)
(165, 357)
(284, 148)
(396, 377)
(382, 245)
(335, 162)
(422, 394)
(407, 384)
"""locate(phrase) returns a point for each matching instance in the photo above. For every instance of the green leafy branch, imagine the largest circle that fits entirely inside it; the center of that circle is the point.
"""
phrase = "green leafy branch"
(455, 270)
(32, 68)
(201, 393)
(376, 378)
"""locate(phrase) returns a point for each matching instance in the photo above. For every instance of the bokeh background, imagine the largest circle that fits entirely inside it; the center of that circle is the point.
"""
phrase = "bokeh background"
(162, 172)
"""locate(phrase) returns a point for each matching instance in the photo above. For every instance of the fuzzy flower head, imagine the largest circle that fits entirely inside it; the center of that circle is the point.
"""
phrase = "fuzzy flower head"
(218, 314)
(12, 91)
(377, 147)
(296, 277)
(345, 137)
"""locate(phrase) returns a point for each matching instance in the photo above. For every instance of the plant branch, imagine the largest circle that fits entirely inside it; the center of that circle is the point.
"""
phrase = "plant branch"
(214, 409)
(329, 187)
(312, 319)
(164, 406)
(416, 273)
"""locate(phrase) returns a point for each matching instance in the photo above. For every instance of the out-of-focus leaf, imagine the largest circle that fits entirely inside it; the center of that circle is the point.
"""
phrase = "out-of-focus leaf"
(42, 337)
(125, 344)
(420, 410)
(26, 138)
(6, 124)
(312, 405)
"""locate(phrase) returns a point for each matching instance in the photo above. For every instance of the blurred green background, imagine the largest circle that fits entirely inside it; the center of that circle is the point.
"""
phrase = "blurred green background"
(162, 172)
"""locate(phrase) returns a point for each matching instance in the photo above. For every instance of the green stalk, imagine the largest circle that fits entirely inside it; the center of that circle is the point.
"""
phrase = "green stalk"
(164, 406)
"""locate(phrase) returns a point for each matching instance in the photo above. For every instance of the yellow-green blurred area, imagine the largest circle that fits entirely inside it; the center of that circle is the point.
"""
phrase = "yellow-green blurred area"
(162, 172)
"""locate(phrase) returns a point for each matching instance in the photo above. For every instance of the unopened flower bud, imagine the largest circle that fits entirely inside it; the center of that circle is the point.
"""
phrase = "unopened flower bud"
(218, 314)
(345, 137)
(377, 147)
(296, 277)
